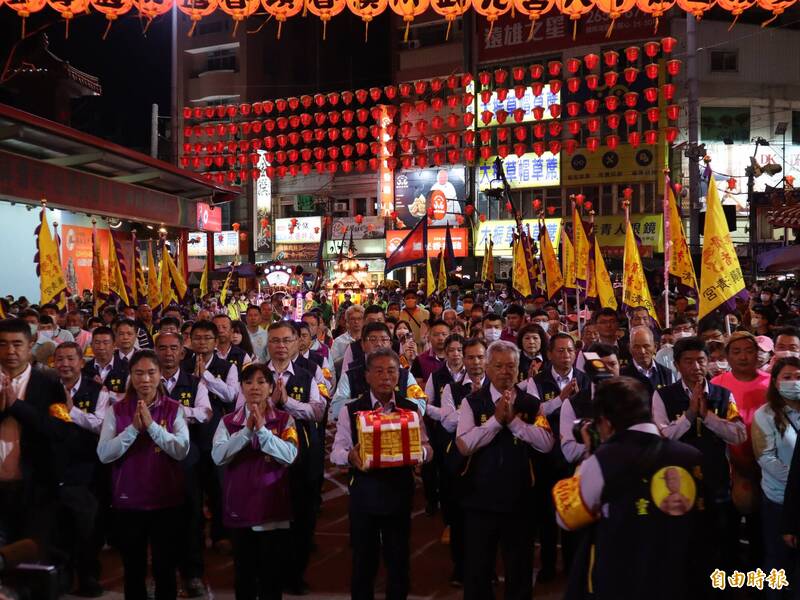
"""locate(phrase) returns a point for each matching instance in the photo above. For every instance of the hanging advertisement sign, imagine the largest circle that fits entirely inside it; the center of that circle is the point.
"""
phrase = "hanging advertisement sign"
(209, 218)
(526, 171)
(263, 203)
(436, 240)
(441, 189)
(527, 103)
(369, 228)
(226, 243)
(623, 165)
(298, 230)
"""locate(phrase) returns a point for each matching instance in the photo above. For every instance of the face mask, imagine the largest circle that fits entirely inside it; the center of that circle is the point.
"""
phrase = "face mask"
(765, 297)
(33, 327)
(787, 354)
(74, 330)
(789, 389)
(46, 335)
(683, 334)
(491, 334)
(718, 366)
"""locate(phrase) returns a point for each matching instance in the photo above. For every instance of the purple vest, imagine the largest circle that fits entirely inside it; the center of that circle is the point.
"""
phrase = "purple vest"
(429, 364)
(146, 477)
(255, 488)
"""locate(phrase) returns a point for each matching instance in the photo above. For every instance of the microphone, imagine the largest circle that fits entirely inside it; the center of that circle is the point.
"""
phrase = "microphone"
(12, 555)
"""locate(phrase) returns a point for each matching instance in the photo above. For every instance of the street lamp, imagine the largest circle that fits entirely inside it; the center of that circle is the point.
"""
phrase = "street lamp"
(753, 171)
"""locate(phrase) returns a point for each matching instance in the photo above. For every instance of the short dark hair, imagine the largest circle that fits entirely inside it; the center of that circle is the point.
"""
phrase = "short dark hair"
(46, 320)
(314, 315)
(16, 326)
(492, 316)
(205, 326)
(603, 350)
(710, 323)
(677, 321)
(373, 309)
(372, 328)
(29, 312)
(606, 312)
(454, 337)
(186, 325)
(141, 355)
(249, 371)
(129, 322)
(382, 353)
(788, 332)
(103, 330)
(532, 328)
(173, 321)
(252, 307)
(473, 342)
(438, 323)
(48, 306)
(409, 293)
(219, 316)
(551, 343)
(281, 325)
(515, 309)
(688, 344)
(540, 312)
(624, 401)
(67, 345)
(300, 325)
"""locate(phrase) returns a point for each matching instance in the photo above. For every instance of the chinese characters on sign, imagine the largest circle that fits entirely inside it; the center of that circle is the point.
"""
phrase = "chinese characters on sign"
(298, 230)
(502, 233)
(527, 103)
(436, 240)
(623, 165)
(610, 231)
(526, 171)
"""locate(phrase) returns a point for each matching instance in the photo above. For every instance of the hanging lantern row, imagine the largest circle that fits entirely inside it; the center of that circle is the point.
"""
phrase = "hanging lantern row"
(325, 10)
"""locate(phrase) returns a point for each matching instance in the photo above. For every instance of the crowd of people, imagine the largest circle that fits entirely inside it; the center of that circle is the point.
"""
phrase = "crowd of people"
(641, 459)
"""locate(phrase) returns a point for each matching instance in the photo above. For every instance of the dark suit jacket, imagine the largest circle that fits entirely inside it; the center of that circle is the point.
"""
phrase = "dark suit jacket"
(663, 376)
(41, 436)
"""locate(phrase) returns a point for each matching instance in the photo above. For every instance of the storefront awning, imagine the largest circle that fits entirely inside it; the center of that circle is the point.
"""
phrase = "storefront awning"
(76, 171)
(786, 216)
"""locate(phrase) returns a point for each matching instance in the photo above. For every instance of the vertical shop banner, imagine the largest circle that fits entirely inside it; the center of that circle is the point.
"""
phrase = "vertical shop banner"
(442, 189)
(263, 204)
(76, 255)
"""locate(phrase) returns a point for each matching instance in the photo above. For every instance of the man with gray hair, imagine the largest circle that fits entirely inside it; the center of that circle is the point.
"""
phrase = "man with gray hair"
(643, 366)
(354, 320)
(499, 427)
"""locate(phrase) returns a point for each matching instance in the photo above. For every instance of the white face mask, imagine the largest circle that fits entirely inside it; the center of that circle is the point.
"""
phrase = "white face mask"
(683, 334)
(46, 334)
(718, 366)
(74, 330)
(786, 354)
(491, 334)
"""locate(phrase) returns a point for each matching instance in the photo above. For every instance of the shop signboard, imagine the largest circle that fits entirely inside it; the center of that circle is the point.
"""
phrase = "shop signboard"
(526, 171)
(370, 227)
(298, 230)
(527, 103)
(292, 253)
(209, 218)
(436, 240)
(263, 205)
(610, 231)
(623, 165)
(502, 232)
(363, 247)
(443, 189)
(226, 243)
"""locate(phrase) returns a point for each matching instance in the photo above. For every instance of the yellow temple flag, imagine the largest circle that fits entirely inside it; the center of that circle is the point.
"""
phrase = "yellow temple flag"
(552, 272)
(116, 282)
(680, 259)
(224, 293)
(430, 280)
(581, 248)
(604, 289)
(721, 275)
(567, 260)
(441, 283)
(488, 262)
(153, 289)
(51, 277)
(204, 280)
(521, 280)
(177, 277)
(635, 292)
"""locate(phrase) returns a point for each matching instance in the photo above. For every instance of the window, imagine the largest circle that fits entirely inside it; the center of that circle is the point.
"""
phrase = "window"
(724, 61)
(727, 125)
(221, 60)
(431, 34)
(795, 127)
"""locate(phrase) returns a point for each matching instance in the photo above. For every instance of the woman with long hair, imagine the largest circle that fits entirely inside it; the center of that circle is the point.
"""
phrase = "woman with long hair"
(145, 438)
(403, 343)
(774, 432)
(531, 341)
(240, 337)
(257, 443)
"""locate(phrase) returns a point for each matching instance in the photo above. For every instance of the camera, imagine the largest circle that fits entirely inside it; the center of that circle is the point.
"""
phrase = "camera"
(594, 434)
(595, 368)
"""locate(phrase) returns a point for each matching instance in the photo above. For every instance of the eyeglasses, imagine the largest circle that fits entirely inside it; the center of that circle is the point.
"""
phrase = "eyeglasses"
(284, 341)
(203, 338)
(375, 340)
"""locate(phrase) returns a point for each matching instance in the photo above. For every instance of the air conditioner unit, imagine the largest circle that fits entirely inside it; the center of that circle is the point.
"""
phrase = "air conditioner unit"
(340, 207)
(413, 44)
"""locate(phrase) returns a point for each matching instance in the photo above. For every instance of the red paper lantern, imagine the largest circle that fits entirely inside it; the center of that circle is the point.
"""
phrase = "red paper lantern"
(519, 149)
(592, 61)
(573, 65)
(482, 218)
(668, 90)
(573, 109)
(554, 68)
(538, 113)
(652, 114)
(634, 138)
(611, 58)
(468, 118)
(520, 132)
(673, 112)
(502, 134)
(469, 156)
(612, 121)
(573, 84)
(673, 67)
(631, 117)
(519, 91)
(612, 102)
(632, 54)
(555, 128)
(630, 74)
(651, 70)
(501, 116)
(612, 141)
(651, 49)
(518, 73)
(651, 95)
(555, 86)
(518, 114)
(569, 147)
(592, 104)
(592, 144)
(469, 137)
(574, 127)
(593, 124)
(555, 110)
(668, 44)
(671, 134)
(631, 99)
(611, 78)
(500, 76)
(503, 150)
(539, 130)
(537, 88)
(536, 71)
(651, 136)
(538, 148)
(592, 81)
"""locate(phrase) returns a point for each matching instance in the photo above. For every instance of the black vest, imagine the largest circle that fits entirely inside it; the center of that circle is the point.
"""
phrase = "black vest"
(358, 382)
(500, 475)
(306, 364)
(219, 368)
(309, 464)
(661, 377)
(185, 392)
(642, 551)
(316, 358)
(117, 379)
(438, 435)
(82, 444)
(357, 353)
(379, 491)
(716, 477)
(236, 357)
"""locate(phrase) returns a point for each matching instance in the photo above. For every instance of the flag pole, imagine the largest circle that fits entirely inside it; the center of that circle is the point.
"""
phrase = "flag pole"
(575, 252)
(667, 244)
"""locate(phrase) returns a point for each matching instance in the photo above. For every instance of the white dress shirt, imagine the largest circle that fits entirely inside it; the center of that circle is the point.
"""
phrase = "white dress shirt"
(340, 345)
(201, 411)
(311, 411)
(474, 437)
(448, 410)
(573, 450)
(113, 446)
(435, 412)
(227, 390)
(9, 432)
(343, 394)
(91, 421)
(343, 442)
(732, 432)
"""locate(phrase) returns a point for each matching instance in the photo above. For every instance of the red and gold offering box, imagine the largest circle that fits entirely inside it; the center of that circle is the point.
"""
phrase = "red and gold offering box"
(389, 439)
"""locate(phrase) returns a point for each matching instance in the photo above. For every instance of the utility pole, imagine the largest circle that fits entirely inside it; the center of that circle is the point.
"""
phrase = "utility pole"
(154, 131)
(692, 151)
